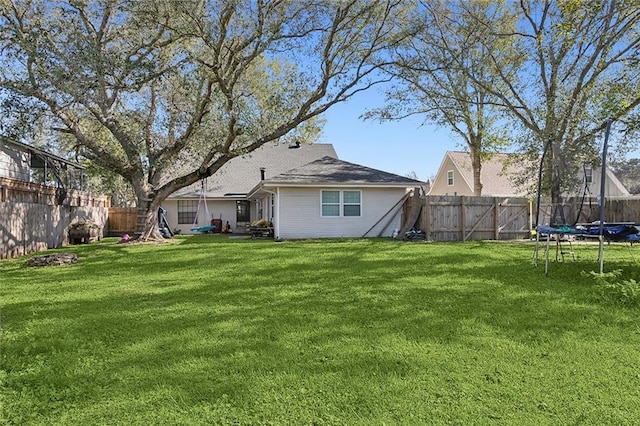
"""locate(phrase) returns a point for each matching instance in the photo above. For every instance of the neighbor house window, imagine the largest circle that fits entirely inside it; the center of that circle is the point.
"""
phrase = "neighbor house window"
(588, 173)
(341, 203)
(450, 177)
(187, 211)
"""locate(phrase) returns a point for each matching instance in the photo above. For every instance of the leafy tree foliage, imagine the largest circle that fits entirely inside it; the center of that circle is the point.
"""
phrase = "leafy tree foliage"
(442, 45)
(628, 171)
(165, 93)
(577, 68)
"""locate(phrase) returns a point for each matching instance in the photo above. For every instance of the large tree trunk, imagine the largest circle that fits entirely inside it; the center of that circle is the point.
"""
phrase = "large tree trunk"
(151, 231)
(148, 204)
(476, 165)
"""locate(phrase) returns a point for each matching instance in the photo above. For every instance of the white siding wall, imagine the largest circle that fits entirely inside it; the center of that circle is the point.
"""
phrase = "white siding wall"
(14, 164)
(300, 214)
(216, 208)
(612, 186)
(440, 184)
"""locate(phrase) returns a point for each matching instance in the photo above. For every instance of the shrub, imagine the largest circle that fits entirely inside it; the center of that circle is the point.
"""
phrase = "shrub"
(615, 289)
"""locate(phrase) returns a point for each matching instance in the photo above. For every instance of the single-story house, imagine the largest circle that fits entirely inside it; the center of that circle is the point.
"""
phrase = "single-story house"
(303, 190)
(455, 177)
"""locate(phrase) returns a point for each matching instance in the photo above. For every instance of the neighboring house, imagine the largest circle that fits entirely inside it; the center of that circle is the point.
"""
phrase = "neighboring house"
(455, 177)
(303, 190)
(41, 204)
(27, 163)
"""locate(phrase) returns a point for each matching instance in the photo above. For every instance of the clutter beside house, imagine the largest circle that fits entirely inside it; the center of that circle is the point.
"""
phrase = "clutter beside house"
(41, 194)
(83, 231)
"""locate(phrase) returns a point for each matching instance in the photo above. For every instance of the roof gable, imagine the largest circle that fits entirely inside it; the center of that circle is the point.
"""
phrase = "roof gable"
(496, 174)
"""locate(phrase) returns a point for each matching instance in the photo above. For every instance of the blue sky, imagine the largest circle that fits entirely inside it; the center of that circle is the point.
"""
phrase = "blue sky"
(396, 147)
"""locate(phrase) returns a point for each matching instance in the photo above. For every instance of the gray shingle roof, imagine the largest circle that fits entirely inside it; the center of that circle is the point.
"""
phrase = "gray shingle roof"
(241, 174)
(330, 170)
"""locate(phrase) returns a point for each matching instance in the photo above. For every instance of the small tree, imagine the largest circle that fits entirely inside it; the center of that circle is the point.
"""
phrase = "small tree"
(441, 46)
(576, 67)
(165, 93)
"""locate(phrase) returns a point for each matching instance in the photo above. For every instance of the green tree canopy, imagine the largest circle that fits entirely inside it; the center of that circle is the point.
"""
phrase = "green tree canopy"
(165, 93)
(577, 67)
(442, 43)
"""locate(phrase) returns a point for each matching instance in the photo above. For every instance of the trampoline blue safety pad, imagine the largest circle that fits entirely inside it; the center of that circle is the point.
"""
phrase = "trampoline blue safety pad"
(610, 232)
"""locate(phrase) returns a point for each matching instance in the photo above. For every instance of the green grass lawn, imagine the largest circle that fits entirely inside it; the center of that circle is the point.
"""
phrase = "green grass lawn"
(360, 332)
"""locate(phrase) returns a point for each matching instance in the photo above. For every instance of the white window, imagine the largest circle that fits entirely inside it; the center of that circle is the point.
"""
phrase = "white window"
(450, 177)
(351, 204)
(187, 211)
(341, 203)
(330, 203)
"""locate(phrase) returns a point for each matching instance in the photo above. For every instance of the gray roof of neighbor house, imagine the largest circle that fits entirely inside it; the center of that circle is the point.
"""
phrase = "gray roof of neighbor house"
(238, 176)
(496, 174)
(329, 170)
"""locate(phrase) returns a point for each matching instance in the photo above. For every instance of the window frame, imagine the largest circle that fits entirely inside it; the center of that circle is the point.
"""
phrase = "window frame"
(341, 204)
(243, 211)
(346, 204)
(450, 176)
(187, 216)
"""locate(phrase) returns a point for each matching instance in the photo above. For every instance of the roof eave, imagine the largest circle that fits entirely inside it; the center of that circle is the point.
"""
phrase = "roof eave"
(350, 184)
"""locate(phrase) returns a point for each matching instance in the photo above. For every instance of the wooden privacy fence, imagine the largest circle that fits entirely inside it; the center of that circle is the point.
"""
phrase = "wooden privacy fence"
(122, 220)
(577, 210)
(30, 227)
(17, 191)
(36, 217)
(462, 218)
(458, 218)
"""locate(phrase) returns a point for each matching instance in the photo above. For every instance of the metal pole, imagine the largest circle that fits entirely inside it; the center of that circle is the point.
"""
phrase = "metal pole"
(603, 177)
(537, 233)
(544, 153)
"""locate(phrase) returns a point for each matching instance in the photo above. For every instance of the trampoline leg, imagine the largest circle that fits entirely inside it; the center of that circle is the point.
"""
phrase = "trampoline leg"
(546, 257)
(601, 254)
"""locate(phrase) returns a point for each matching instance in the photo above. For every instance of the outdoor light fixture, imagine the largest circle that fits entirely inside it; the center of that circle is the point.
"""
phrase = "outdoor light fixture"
(588, 172)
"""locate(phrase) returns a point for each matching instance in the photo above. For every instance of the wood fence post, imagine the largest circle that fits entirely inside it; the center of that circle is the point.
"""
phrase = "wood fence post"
(496, 219)
(463, 218)
(427, 217)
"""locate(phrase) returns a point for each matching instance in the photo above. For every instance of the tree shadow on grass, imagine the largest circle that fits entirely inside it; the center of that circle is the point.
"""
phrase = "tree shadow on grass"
(272, 312)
